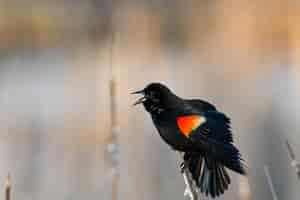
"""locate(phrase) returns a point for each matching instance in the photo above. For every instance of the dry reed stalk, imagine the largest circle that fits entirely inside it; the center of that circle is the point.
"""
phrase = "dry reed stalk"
(270, 182)
(8, 187)
(294, 163)
(190, 189)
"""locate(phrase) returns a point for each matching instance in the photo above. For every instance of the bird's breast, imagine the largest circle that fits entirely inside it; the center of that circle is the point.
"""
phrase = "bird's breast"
(169, 131)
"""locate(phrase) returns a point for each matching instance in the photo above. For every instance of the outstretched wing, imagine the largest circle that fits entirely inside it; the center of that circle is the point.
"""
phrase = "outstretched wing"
(211, 132)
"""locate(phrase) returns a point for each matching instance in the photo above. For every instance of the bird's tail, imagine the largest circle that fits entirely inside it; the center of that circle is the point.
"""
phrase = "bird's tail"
(211, 177)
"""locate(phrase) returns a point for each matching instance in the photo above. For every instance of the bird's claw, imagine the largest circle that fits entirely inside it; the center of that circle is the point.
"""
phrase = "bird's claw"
(182, 167)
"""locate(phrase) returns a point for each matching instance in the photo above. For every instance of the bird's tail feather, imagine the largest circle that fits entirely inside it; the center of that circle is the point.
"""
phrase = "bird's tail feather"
(210, 176)
(230, 157)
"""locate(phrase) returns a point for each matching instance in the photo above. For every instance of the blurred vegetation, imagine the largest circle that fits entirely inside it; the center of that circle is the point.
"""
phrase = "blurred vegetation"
(55, 72)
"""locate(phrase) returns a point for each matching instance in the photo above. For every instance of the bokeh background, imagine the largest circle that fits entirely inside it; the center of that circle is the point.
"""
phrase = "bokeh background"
(68, 132)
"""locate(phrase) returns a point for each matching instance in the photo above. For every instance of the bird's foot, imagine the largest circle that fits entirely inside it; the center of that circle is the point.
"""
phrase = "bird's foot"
(182, 167)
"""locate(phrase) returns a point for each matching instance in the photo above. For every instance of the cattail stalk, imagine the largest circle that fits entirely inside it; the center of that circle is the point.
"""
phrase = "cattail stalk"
(270, 182)
(113, 148)
(190, 189)
(113, 143)
(8, 188)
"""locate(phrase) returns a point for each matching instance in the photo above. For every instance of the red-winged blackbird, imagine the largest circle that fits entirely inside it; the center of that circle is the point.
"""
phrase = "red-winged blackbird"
(200, 131)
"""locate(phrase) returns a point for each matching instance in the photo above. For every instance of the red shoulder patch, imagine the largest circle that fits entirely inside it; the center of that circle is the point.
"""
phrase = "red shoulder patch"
(187, 124)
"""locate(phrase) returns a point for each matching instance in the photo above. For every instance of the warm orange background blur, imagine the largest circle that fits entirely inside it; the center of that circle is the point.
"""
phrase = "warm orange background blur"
(57, 60)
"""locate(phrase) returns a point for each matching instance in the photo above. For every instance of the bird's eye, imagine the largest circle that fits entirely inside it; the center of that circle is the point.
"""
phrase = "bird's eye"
(152, 94)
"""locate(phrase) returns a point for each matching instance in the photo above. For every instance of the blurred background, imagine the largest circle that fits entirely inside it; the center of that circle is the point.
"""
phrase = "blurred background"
(68, 132)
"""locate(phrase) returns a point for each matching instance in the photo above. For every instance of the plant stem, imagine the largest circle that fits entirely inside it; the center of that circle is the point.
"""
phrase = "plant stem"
(7, 187)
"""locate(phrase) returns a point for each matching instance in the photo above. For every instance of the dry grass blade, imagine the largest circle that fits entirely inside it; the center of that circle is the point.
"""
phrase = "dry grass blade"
(294, 162)
(270, 182)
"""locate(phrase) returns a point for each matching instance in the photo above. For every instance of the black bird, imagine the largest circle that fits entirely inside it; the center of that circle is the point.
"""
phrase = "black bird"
(199, 131)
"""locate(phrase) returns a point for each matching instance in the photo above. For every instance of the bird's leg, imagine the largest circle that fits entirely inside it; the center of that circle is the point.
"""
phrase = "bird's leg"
(182, 167)
(182, 164)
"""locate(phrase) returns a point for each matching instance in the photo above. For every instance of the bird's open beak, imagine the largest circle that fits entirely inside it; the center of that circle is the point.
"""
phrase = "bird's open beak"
(142, 99)
(138, 92)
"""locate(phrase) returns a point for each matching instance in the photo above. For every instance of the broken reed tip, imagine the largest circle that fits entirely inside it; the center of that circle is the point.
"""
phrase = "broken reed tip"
(8, 181)
(8, 187)
(290, 150)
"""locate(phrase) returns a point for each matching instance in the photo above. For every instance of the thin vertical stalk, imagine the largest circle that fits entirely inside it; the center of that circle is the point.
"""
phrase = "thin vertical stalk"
(113, 139)
(190, 190)
(8, 188)
(270, 182)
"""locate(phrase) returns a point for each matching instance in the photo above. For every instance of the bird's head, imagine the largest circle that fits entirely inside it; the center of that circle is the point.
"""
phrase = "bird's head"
(156, 97)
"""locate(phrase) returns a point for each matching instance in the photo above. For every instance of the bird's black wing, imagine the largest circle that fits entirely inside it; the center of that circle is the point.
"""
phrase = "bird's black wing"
(217, 127)
(214, 137)
(209, 132)
(201, 105)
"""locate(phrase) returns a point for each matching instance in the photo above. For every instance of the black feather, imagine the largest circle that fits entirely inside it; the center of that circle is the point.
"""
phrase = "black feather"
(215, 138)
(210, 176)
